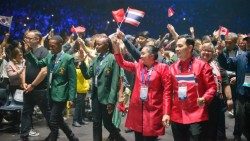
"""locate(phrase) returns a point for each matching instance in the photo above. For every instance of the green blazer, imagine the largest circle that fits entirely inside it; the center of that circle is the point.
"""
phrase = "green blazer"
(63, 83)
(107, 78)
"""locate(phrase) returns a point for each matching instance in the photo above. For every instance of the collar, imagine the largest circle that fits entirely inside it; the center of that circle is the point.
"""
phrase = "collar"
(186, 62)
(58, 55)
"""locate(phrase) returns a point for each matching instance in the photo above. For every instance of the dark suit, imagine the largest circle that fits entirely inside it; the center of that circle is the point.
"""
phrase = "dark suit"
(105, 73)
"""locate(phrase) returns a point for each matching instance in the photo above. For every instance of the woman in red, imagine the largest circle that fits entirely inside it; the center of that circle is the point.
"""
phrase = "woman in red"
(152, 89)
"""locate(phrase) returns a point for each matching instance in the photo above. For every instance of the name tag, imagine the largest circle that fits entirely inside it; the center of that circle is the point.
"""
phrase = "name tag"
(182, 92)
(144, 93)
(247, 80)
(50, 79)
(96, 81)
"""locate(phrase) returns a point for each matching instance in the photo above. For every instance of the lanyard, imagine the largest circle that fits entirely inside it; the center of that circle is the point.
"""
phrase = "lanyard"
(55, 63)
(189, 66)
(148, 77)
(98, 67)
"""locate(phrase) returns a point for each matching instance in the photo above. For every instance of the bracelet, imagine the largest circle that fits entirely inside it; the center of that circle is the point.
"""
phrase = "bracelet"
(229, 98)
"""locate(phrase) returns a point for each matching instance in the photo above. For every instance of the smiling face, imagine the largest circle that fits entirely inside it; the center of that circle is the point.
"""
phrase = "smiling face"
(32, 39)
(101, 45)
(207, 52)
(147, 57)
(183, 50)
(55, 46)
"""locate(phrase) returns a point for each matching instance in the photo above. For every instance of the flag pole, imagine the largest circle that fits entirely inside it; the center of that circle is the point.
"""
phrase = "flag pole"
(119, 26)
(10, 23)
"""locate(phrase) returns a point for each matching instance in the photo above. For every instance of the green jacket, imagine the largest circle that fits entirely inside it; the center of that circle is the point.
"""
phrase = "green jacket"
(63, 83)
(107, 78)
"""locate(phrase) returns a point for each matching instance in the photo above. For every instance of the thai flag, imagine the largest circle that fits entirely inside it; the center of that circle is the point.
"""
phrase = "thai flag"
(6, 21)
(134, 16)
(189, 78)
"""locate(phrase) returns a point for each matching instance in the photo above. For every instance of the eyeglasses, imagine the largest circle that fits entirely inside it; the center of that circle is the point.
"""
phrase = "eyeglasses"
(29, 38)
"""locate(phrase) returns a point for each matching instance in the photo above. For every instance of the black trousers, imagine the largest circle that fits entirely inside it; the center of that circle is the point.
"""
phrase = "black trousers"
(242, 117)
(56, 121)
(36, 97)
(189, 132)
(100, 114)
(79, 113)
(216, 124)
(140, 137)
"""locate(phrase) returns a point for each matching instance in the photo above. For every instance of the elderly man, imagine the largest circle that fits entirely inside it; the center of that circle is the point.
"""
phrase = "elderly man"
(61, 85)
(193, 89)
(240, 64)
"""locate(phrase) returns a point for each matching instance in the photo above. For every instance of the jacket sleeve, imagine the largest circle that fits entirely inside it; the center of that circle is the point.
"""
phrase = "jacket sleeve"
(129, 66)
(72, 79)
(87, 72)
(12, 74)
(227, 63)
(208, 78)
(114, 83)
(132, 49)
(41, 63)
(168, 90)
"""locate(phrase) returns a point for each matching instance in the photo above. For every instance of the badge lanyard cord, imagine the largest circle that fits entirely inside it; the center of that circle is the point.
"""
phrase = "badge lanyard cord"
(189, 69)
(145, 83)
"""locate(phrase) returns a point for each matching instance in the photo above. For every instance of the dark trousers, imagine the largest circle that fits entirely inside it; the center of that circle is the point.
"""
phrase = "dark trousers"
(56, 121)
(36, 97)
(189, 132)
(216, 124)
(242, 117)
(140, 137)
(79, 113)
(100, 114)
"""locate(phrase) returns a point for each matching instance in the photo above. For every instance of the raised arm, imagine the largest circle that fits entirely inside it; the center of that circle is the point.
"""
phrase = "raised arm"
(129, 66)
(129, 46)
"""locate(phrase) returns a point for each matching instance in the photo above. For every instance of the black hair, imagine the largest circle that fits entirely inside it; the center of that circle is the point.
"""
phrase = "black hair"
(58, 38)
(189, 39)
(153, 50)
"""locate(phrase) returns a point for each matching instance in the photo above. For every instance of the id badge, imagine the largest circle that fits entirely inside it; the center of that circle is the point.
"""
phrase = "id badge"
(96, 81)
(50, 79)
(247, 80)
(144, 93)
(182, 92)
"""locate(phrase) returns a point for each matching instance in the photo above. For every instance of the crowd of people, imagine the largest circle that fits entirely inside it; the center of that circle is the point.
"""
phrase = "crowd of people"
(176, 80)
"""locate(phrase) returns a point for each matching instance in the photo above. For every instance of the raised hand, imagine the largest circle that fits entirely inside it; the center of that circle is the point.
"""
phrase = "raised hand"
(27, 46)
(120, 34)
(170, 28)
(116, 46)
(191, 29)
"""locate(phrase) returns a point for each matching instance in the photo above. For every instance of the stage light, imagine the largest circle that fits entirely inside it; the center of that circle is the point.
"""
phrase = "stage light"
(24, 25)
(52, 15)
(27, 18)
(108, 22)
(184, 19)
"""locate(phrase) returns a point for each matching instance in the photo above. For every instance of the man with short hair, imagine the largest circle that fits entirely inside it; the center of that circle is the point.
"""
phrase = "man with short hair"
(105, 73)
(193, 89)
(61, 85)
(240, 64)
(34, 84)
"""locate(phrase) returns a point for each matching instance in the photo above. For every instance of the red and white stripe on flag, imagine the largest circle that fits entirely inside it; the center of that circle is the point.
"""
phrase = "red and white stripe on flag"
(5, 21)
(170, 12)
(223, 30)
(134, 16)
